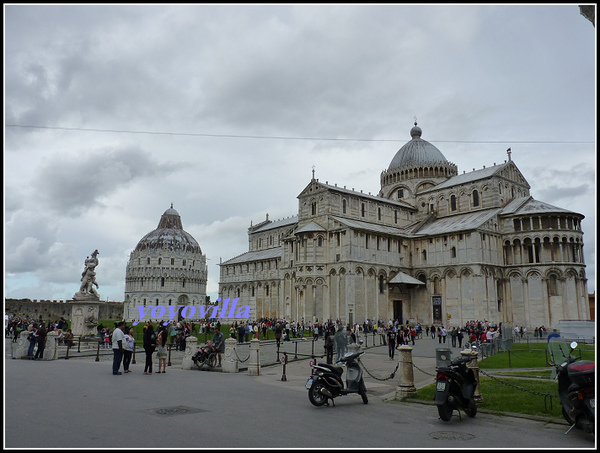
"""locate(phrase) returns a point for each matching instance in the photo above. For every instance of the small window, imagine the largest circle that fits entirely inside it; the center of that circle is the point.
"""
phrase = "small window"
(314, 208)
(475, 198)
(343, 206)
(453, 252)
(362, 209)
(453, 203)
(400, 194)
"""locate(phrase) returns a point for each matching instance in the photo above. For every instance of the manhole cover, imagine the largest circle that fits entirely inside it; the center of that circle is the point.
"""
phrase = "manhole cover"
(175, 410)
(451, 435)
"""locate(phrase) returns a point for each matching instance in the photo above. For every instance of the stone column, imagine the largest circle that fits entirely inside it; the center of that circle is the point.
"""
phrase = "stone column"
(406, 381)
(254, 359)
(475, 367)
(230, 359)
(191, 347)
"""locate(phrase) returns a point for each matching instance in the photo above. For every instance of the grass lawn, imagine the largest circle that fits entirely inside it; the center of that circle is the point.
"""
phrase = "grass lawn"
(523, 396)
(502, 398)
(533, 355)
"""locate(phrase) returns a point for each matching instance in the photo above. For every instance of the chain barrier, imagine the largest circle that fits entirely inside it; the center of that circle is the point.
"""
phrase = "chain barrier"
(391, 376)
(423, 371)
(238, 357)
(547, 396)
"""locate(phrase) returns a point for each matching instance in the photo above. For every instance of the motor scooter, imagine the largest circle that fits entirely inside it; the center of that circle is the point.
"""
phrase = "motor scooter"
(455, 388)
(576, 384)
(325, 382)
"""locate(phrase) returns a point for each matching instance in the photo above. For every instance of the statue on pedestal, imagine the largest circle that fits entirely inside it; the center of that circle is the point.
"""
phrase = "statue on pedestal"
(88, 279)
(85, 304)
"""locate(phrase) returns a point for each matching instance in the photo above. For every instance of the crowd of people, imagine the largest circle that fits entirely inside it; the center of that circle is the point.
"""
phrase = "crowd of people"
(336, 335)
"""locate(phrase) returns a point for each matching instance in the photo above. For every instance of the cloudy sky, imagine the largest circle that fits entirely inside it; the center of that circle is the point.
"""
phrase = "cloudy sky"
(112, 113)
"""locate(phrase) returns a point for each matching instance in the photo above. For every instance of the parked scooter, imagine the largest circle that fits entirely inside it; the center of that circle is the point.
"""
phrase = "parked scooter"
(455, 389)
(326, 381)
(576, 384)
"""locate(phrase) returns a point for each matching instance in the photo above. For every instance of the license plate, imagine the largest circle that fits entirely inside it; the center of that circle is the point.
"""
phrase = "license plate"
(440, 386)
(593, 402)
(309, 383)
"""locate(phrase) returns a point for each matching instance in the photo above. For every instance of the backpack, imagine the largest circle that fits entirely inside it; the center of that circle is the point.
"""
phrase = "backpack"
(31, 337)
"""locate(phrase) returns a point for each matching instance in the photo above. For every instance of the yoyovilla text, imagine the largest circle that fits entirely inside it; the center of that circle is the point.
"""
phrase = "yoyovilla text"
(210, 311)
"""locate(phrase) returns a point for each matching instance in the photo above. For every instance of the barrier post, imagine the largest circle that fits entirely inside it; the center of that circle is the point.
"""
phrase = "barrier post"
(406, 382)
(284, 360)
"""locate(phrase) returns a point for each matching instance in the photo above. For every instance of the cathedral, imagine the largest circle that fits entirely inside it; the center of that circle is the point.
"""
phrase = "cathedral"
(433, 246)
(167, 267)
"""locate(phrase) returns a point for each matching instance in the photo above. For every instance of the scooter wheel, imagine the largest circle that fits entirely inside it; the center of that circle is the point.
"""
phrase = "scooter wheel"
(314, 394)
(445, 411)
(363, 393)
(471, 409)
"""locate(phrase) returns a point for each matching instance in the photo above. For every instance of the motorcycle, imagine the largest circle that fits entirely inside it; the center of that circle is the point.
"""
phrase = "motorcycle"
(455, 388)
(576, 384)
(326, 381)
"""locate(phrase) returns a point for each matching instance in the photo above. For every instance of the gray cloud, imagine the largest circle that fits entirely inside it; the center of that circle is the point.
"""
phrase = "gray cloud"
(72, 184)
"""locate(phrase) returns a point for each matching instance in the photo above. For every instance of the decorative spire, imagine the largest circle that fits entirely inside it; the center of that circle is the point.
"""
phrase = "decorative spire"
(508, 151)
(313, 172)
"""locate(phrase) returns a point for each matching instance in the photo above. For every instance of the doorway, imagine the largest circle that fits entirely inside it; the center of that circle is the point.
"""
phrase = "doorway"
(398, 311)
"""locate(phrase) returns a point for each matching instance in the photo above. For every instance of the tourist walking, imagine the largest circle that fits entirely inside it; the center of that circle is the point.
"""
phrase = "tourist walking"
(118, 338)
(128, 350)
(391, 339)
(161, 350)
(341, 342)
(32, 337)
(41, 342)
(149, 346)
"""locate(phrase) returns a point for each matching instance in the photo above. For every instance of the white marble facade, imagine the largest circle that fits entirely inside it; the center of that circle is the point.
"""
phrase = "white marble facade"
(433, 246)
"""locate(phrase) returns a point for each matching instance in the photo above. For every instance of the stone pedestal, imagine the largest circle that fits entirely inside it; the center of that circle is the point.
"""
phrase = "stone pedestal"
(51, 349)
(230, 359)
(191, 347)
(254, 359)
(406, 381)
(84, 316)
(20, 349)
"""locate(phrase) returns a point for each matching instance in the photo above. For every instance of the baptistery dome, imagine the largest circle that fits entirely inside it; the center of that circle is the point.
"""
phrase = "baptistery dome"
(169, 235)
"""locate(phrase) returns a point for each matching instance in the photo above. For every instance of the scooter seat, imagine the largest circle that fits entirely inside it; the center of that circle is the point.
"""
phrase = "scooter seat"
(336, 369)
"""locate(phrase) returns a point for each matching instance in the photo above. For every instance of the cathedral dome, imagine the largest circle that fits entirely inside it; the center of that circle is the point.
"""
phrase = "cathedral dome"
(417, 152)
(169, 235)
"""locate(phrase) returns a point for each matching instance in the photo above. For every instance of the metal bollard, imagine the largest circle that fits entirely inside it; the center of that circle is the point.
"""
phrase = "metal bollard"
(133, 359)
(284, 360)
(97, 352)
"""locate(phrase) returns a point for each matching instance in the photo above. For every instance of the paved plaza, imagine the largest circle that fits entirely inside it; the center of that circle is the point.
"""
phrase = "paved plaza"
(78, 403)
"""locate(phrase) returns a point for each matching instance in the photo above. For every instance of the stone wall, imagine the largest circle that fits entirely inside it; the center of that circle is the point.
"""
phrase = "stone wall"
(52, 310)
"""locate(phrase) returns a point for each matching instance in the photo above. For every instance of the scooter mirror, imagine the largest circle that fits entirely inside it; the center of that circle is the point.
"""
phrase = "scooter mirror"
(573, 345)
